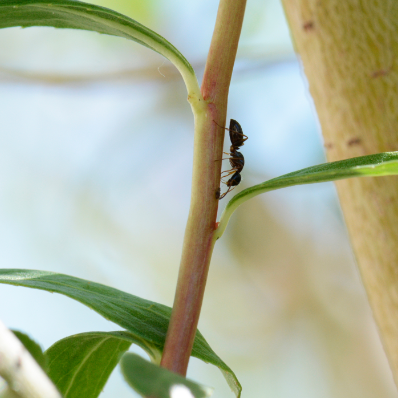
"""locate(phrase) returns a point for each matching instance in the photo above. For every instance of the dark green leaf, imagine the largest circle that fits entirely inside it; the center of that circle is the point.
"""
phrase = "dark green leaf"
(150, 380)
(80, 365)
(146, 320)
(78, 15)
(33, 348)
(377, 165)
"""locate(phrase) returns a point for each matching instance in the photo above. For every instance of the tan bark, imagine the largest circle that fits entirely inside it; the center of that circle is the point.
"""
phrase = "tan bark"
(349, 50)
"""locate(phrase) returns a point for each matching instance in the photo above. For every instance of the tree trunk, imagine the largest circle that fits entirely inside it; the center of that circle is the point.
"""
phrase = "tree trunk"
(349, 51)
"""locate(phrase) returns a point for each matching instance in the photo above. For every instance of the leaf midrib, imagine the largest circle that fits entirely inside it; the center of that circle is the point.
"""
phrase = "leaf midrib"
(82, 363)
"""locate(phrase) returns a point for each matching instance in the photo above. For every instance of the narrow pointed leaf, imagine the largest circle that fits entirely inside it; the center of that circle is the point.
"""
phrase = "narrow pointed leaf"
(33, 348)
(150, 380)
(80, 365)
(377, 165)
(146, 320)
(74, 14)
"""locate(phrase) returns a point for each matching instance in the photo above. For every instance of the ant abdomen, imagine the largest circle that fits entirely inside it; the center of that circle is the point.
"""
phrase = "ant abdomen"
(234, 180)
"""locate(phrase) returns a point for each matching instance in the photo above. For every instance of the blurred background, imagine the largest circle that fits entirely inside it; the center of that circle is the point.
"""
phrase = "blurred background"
(95, 171)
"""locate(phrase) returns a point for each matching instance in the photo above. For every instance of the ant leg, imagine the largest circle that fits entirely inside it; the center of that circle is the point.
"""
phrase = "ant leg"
(219, 125)
(227, 153)
(222, 126)
(229, 190)
(236, 132)
(227, 158)
(230, 171)
(224, 193)
(241, 134)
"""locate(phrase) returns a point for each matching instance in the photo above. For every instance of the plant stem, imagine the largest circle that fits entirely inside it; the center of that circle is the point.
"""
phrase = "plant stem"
(208, 144)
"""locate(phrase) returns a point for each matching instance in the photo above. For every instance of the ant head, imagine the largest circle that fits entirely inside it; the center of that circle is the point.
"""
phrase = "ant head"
(235, 126)
(236, 134)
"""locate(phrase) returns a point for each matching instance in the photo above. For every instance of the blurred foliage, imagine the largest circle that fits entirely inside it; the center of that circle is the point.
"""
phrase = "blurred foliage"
(142, 11)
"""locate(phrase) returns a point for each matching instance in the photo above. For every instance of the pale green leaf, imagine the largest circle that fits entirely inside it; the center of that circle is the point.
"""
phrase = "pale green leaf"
(150, 380)
(377, 165)
(146, 320)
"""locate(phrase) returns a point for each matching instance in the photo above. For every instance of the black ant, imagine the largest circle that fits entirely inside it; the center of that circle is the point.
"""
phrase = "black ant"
(237, 161)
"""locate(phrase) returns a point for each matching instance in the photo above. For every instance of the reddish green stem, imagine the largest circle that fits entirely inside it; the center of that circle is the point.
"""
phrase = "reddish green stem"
(209, 137)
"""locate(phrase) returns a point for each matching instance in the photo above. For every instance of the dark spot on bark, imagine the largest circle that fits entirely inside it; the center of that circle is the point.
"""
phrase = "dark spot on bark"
(354, 141)
(381, 72)
(309, 26)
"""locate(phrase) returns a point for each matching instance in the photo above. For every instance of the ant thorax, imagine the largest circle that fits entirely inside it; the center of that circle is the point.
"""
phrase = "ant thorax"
(237, 161)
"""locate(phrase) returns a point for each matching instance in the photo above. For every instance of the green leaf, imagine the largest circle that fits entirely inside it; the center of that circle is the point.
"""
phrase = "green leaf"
(150, 380)
(33, 348)
(377, 165)
(146, 320)
(80, 365)
(74, 14)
